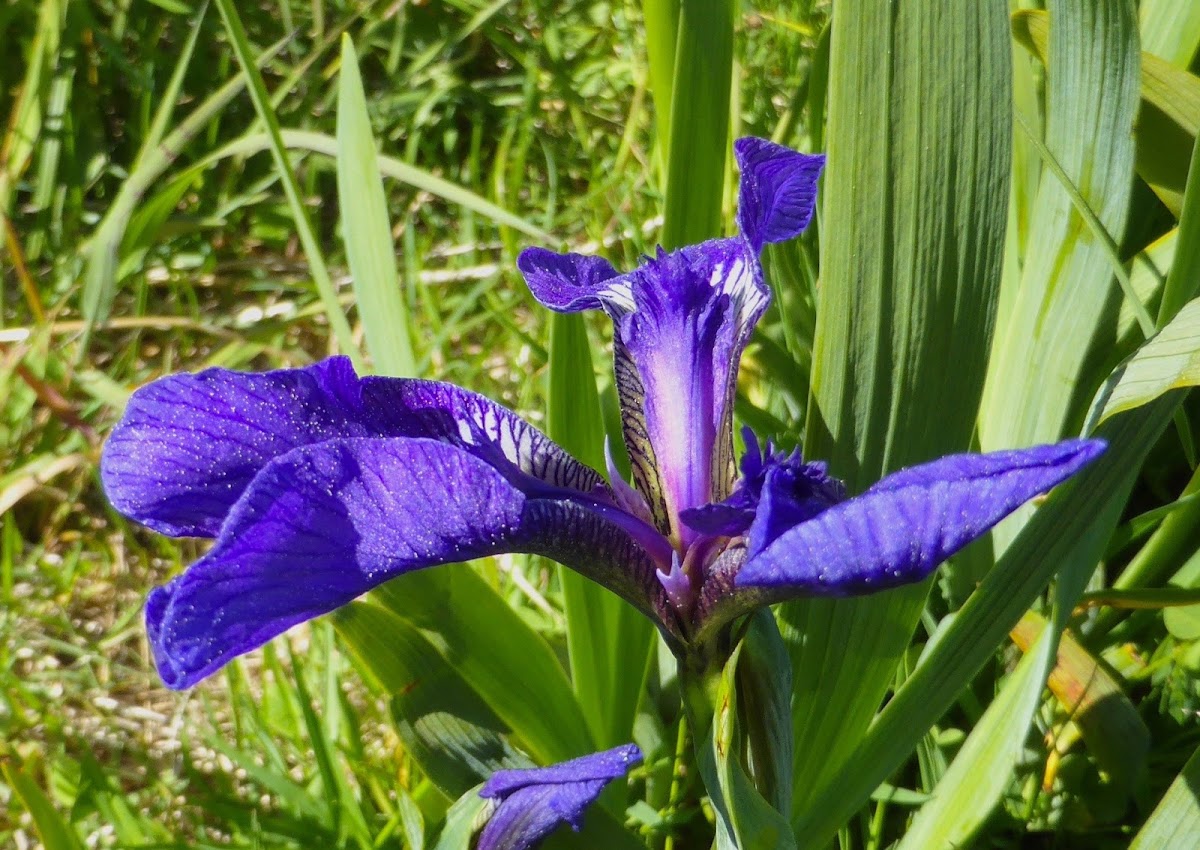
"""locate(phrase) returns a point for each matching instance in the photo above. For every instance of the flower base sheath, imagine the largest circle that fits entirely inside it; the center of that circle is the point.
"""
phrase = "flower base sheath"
(318, 484)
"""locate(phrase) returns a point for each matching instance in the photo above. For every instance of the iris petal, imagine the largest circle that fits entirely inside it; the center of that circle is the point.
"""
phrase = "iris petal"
(682, 320)
(316, 528)
(777, 192)
(566, 283)
(902, 528)
(324, 524)
(535, 801)
(190, 444)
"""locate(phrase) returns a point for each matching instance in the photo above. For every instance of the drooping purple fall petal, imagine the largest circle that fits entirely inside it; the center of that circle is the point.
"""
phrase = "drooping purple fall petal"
(898, 531)
(189, 444)
(325, 523)
(534, 802)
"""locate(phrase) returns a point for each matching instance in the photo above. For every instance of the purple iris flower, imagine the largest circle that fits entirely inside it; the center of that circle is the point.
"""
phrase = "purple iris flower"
(319, 485)
(531, 803)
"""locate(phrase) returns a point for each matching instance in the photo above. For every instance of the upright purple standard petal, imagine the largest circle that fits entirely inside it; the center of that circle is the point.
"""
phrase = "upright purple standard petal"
(682, 320)
(532, 803)
(693, 313)
(566, 283)
(901, 529)
(778, 190)
(189, 444)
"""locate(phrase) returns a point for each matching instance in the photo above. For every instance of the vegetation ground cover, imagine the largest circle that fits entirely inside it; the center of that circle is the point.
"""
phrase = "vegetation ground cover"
(136, 188)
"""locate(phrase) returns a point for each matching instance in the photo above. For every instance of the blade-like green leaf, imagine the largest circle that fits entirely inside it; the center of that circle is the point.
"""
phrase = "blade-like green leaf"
(52, 828)
(1175, 822)
(1168, 361)
(1167, 119)
(287, 176)
(366, 229)
(608, 641)
(968, 792)
(912, 244)
(1170, 30)
(504, 660)
(1066, 279)
(699, 136)
(1070, 530)
(1183, 281)
(447, 728)
(662, 25)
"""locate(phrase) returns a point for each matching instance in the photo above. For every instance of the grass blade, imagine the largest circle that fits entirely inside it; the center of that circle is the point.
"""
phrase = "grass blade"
(52, 828)
(1176, 820)
(699, 136)
(389, 166)
(607, 640)
(366, 228)
(304, 230)
(104, 247)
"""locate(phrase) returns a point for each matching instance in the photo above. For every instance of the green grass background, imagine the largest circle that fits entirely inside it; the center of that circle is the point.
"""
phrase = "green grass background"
(152, 223)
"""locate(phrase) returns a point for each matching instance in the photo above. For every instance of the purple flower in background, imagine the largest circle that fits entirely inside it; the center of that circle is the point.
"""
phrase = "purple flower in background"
(533, 802)
(319, 485)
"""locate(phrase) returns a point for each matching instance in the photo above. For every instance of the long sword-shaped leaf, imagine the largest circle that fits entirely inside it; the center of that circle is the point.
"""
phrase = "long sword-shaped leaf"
(287, 177)
(1176, 820)
(608, 641)
(445, 725)
(699, 136)
(913, 236)
(661, 18)
(969, 790)
(1092, 98)
(1170, 29)
(1183, 281)
(1167, 120)
(1169, 361)
(1071, 529)
(366, 229)
(497, 653)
